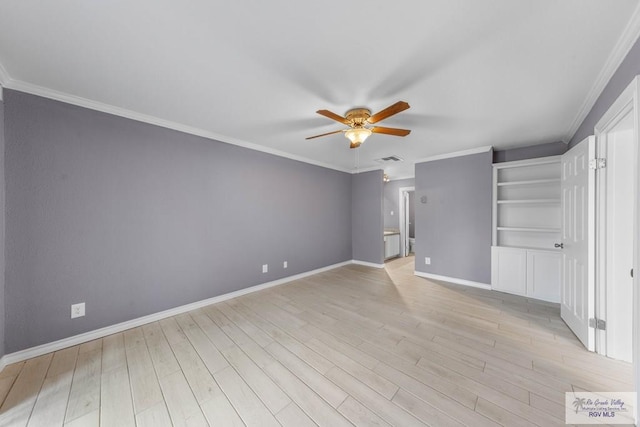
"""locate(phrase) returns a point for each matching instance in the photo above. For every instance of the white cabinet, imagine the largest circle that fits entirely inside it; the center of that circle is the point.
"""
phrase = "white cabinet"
(391, 246)
(544, 273)
(526, 228)
(527, 272)
(509, 270)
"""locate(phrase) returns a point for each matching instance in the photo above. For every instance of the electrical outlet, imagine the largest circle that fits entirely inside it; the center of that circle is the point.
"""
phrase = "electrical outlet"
(265, 268)
(427, 260)
(391, 213)
(77, 310)
(284, 264)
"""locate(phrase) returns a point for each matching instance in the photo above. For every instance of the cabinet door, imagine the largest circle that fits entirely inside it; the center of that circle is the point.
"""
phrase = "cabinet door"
(395, 244)
(391, 246)
(544, 274)
(509, 270)
(386, 247)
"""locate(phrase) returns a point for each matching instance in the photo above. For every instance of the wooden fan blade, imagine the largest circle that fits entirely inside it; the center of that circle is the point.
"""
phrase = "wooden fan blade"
(390, 131)
(333, 116)
(324, 134)
(388, 112)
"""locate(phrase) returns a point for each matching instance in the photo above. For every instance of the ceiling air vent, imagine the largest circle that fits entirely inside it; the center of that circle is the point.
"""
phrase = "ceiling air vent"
(390, 159)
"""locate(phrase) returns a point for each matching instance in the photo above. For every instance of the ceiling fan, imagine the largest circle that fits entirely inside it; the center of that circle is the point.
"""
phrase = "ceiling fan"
(358, 118)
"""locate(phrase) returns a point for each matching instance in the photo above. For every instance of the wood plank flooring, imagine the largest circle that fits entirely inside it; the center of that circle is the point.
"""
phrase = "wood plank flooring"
(351, 346)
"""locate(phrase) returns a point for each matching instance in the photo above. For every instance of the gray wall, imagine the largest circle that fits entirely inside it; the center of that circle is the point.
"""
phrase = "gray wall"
(2, 214)
(530, 152)
(134, 219)
(628, 69)
(366, 216)
(453, 227)
(392, 202)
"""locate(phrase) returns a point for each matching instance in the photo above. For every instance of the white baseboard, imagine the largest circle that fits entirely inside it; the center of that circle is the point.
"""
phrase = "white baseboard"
(367, 264)
(453, 280)
(29, 353)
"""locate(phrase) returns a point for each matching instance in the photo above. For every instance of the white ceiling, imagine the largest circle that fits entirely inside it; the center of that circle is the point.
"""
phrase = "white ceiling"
(501, 72)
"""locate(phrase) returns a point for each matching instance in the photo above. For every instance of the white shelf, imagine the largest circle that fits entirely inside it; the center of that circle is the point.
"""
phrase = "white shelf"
(527, 201)
(530, 229)
(529, 182)
(530, 248)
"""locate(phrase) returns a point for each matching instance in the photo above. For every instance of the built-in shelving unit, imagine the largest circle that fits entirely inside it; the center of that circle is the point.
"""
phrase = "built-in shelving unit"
(526, 227)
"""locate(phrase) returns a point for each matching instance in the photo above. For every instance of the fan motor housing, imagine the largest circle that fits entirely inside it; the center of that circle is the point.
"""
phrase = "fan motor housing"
(358, 116)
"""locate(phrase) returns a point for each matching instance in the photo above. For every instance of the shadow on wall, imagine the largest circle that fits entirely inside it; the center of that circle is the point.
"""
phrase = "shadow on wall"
(530, 152)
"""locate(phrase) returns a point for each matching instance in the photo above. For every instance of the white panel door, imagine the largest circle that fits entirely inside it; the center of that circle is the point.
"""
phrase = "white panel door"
(578, 238)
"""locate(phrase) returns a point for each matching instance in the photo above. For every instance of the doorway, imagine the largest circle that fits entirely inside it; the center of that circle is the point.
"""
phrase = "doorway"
(406, 204)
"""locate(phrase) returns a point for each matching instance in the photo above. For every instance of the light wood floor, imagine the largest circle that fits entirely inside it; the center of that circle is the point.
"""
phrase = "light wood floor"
(354, 345)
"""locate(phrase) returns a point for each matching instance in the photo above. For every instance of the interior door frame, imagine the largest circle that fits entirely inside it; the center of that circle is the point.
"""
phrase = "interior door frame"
(626, 102)
(403, 221)
(603, 222)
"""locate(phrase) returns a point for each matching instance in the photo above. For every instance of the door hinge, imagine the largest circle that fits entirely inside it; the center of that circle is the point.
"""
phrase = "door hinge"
(598, 324)
(598, 163)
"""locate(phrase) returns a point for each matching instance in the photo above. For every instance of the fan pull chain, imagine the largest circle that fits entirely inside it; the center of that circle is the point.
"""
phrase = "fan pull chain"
(357, 153)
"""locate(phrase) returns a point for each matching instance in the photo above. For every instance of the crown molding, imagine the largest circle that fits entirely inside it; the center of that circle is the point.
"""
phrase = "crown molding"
(133, 115)
(369, 169)
(625, 102)
(483, 149)
(4, 80)
(622, 47)
(4, 76)
(400, 178)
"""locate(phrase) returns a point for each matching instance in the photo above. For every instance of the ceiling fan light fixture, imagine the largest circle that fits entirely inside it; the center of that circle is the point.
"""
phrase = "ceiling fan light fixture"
(357, 135)
(358, 118)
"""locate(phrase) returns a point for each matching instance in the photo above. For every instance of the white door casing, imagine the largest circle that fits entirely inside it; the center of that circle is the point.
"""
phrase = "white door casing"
(628, 101)
(578, 240)
(616, 295)
(615, 224)
(403, 219)
(407, 224)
